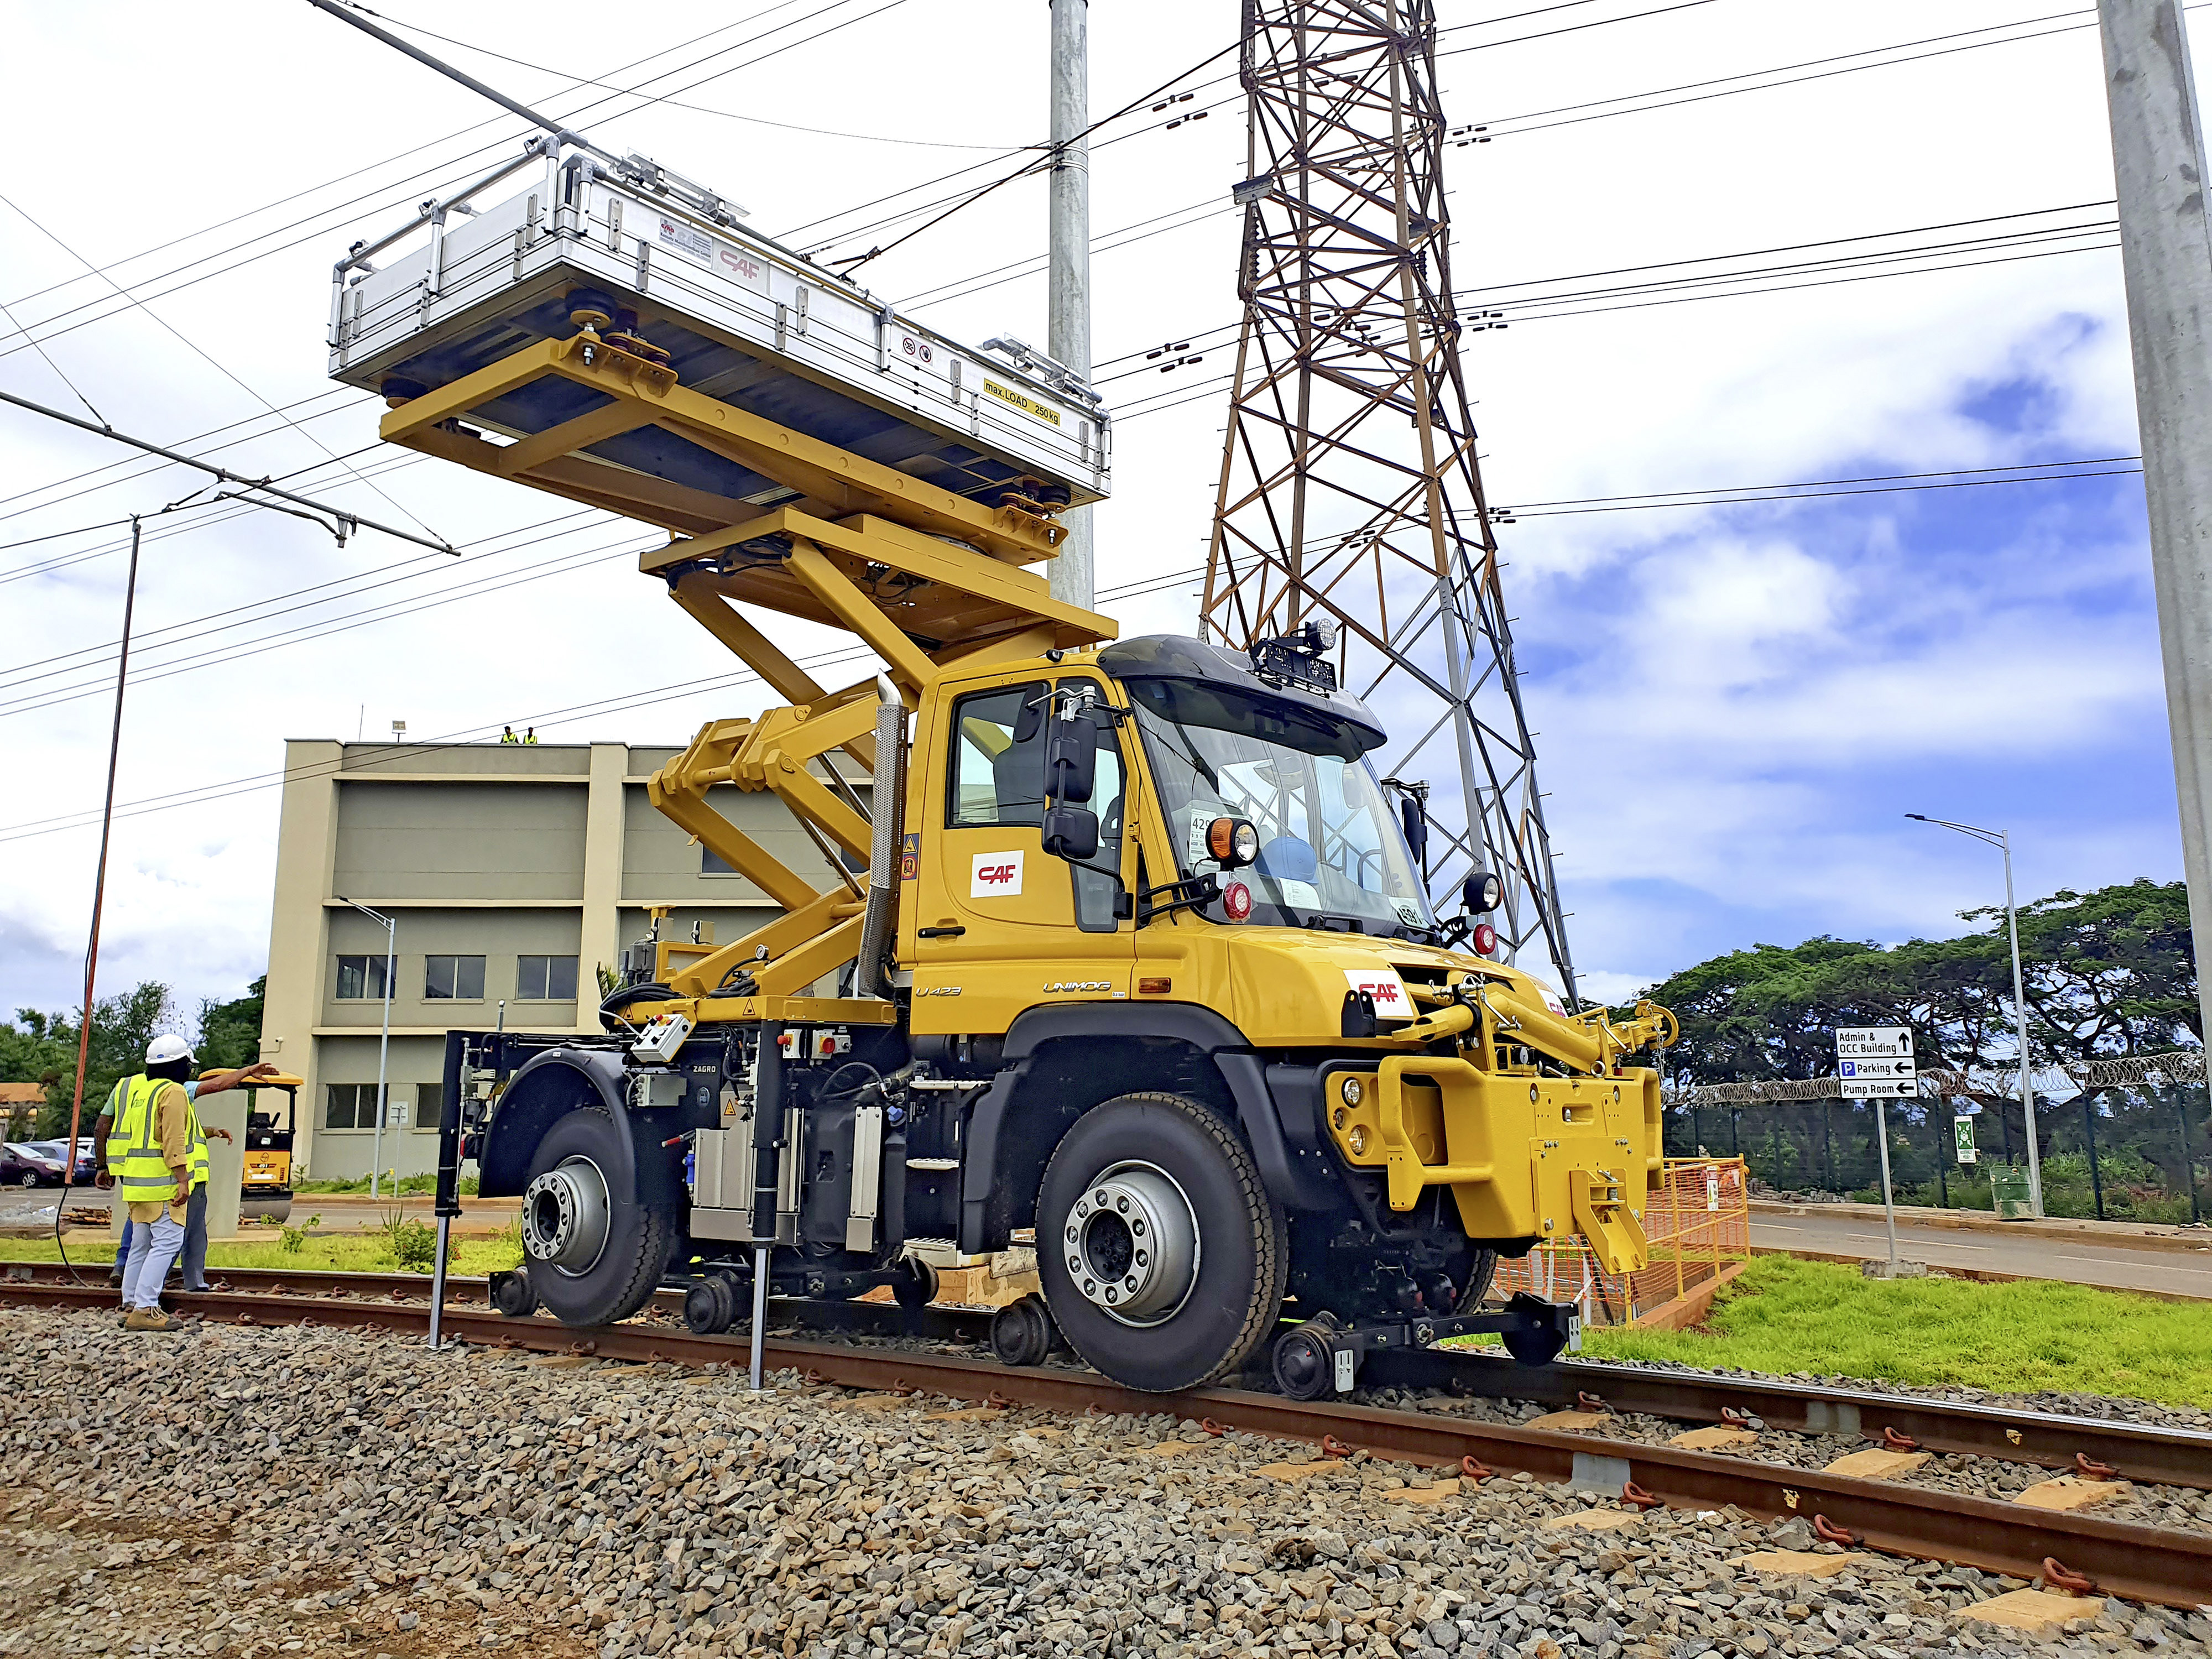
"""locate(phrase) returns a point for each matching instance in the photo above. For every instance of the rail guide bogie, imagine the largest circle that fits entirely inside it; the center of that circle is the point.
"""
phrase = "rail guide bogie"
(1123, 950)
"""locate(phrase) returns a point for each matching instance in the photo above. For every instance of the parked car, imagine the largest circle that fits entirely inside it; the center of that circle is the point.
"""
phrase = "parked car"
(23, 1166)
(86, 1166)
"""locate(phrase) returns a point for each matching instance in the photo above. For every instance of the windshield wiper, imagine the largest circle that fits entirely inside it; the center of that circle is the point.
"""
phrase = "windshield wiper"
(1321, 923)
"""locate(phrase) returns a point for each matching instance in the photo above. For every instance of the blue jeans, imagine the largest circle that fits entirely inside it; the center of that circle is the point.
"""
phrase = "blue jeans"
(123, 1249)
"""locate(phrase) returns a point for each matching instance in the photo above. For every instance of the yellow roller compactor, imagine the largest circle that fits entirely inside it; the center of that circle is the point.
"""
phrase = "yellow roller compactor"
(1141, 964)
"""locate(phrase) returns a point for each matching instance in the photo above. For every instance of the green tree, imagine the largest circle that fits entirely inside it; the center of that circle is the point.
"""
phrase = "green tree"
(122, 1026)
(230, 1032)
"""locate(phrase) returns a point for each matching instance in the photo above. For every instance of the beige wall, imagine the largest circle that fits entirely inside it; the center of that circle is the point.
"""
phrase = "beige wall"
(480, 849)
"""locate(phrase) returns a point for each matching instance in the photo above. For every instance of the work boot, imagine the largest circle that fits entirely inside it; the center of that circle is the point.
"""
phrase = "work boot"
(151, 1319)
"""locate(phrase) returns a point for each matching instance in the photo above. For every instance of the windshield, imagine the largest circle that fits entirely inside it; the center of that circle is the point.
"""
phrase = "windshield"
(1330, 845)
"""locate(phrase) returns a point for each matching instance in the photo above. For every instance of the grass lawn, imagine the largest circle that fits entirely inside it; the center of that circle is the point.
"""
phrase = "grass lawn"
(1786, 1315)
(354, 1253)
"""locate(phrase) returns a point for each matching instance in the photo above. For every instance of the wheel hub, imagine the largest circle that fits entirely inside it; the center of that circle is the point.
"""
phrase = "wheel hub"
(565, 1213)
(1131, 1243)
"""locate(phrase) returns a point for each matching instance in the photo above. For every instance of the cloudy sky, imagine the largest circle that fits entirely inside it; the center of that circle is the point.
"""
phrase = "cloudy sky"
(1741, 245)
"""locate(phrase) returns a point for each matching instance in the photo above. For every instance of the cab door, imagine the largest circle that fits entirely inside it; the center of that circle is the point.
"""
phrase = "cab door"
(1001, 924)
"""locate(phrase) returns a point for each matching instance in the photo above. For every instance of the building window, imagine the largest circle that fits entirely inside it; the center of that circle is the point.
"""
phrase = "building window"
(361, 977)
(426, 1106)
(350, 1106)
(545, 979)
(461, 978)
(712, 864)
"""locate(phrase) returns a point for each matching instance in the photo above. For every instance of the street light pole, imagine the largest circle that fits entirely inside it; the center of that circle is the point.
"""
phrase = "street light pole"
(2002, 840)
(391, 927)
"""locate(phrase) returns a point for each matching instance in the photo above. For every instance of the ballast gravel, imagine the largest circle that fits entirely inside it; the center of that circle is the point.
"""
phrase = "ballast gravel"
(259, 1491)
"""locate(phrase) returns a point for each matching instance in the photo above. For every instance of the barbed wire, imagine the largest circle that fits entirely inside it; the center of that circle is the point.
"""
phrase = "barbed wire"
(2175, 1067)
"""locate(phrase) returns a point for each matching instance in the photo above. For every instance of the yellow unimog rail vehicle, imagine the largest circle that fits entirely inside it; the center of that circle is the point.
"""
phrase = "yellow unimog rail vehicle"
(1140, 964)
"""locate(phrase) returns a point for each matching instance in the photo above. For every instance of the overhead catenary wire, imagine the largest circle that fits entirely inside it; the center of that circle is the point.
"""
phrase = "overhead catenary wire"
(198, 350)
(343, 516)
(1889, 483)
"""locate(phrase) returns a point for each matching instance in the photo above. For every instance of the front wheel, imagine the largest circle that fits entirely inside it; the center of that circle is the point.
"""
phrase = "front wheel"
(596, 1254)
(1161, 1255)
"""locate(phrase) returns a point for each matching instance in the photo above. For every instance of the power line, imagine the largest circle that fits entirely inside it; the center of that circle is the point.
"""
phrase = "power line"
(696, 109)
(262, 486)
(1495, 122)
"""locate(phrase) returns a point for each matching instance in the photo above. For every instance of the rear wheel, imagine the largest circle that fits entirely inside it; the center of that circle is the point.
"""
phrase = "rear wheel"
(596, 1254)
(1161, 1255)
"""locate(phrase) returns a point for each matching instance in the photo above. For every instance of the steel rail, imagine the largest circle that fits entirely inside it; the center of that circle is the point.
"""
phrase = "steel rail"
(2149, 1454)
(2152, 1454)
(2139, 1563)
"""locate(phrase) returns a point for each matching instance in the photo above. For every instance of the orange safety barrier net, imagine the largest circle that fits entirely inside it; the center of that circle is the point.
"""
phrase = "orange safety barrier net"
(1698, 1218)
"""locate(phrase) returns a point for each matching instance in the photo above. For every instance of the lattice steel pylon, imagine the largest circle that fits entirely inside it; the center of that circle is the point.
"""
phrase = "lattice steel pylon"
(1349, 487)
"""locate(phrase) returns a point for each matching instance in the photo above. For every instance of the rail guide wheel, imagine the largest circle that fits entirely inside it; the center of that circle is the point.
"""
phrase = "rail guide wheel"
(1022, 1332)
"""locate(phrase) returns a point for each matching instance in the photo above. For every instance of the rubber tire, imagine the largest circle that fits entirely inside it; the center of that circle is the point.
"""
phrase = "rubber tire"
(1482, 1272)
(27, 1182)
(1244, 1243)
(639, 1237)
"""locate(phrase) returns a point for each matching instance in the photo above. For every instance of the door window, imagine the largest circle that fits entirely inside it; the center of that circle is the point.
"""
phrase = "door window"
(997, 775)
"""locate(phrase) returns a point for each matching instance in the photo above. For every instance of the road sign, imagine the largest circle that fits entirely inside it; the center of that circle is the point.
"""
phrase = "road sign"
(1964, 1127)
(1875, 1043)
(1875, 1062)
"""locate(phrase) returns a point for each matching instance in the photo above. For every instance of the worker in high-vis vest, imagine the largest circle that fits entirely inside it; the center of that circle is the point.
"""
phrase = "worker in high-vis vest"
(196, 1089)
(150, 1156)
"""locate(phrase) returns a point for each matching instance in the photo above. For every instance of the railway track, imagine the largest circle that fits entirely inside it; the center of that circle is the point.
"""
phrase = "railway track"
(2079, 1552)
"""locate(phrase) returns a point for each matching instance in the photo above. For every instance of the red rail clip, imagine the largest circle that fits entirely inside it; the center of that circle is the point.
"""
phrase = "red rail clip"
(1091, 1409)
(812, 1377)
(902, 1389)
(2090, 1469)
(585, 1349)
(1589, 1401)
(1212, 1427)
(2059, 1576)
(1332, 1447)
(1636, 1497)
(996, 1401)
(1734, 1418)
(244, 1318)
(1829, 1532)
(1474, 1469)
(1898, 1443)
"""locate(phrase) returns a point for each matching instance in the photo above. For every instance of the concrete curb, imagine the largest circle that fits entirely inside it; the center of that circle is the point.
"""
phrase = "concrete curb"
(1981, 1275)
(2120, 1235)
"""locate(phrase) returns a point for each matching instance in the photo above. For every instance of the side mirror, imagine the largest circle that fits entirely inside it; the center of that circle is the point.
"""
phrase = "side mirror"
(1232, 842)
(1416, 823)
(1482, 892)
(1071, 758)
(1071, 832)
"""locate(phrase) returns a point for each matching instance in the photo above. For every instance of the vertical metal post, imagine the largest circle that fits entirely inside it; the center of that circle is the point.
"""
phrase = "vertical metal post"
(1888, 1200)
(2165, 257)
(99, 883)
(770, 1132)
(1067, 273)
(2019, 1019)
(2089, 1128)
(2188, 1168)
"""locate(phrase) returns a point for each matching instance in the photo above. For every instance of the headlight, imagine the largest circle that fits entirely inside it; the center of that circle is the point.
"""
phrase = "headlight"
(1350, 1091)
(1232, 842)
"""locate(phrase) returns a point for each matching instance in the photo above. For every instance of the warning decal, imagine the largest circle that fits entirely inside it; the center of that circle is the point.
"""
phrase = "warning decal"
(1028, 405)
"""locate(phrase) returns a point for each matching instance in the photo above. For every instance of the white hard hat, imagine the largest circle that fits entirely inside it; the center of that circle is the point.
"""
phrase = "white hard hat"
(164, 1049)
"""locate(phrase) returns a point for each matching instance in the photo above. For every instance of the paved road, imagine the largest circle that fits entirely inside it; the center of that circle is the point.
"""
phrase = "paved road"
(2081, 1261)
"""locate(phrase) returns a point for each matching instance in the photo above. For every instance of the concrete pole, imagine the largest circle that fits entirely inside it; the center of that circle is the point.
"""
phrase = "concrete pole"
(2019, 1018)
(2165, 255)
(1067, 278)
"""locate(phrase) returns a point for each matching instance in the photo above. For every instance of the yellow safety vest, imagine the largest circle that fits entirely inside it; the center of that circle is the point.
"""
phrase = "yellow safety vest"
(134, 1150)
(199, 1165)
